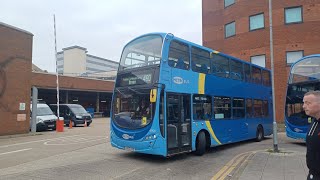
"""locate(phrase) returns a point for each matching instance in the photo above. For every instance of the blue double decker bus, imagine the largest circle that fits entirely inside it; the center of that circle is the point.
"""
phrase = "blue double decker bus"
(304, 77)
(192, 98)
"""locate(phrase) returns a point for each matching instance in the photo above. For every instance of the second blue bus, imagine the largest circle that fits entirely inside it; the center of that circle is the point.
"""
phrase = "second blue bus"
(196, 98)
(304, 77)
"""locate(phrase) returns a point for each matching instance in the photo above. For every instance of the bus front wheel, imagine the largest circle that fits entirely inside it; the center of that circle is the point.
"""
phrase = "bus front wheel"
(259, 134)
(201, 144)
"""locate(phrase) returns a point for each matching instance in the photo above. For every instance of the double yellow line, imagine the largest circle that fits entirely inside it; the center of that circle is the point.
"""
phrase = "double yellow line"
(231, 165)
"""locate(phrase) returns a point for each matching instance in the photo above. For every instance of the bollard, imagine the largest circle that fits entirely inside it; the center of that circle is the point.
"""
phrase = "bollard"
(70, 124)
(85, 123)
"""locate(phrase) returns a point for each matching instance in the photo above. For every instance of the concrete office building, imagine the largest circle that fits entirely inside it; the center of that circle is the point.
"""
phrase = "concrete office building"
(241, 28)
(74, 61)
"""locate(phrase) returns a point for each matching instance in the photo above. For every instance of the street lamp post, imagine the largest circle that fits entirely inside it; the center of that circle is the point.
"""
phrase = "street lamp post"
(59, 123)
(275, 135)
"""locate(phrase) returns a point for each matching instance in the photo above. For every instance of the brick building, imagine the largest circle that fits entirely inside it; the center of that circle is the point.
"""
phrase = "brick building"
(17, 78)
(241, 28)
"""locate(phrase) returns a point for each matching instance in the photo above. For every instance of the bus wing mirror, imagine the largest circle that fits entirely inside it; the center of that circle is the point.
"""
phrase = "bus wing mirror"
(153, 95)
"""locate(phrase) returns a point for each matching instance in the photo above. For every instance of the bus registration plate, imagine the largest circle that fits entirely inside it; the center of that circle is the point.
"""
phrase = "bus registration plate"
(128, 149)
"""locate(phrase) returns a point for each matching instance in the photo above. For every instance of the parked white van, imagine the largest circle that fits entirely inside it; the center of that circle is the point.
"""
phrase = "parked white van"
(45, 117)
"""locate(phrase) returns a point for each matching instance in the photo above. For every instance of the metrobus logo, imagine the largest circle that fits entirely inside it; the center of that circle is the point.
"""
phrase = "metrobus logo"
(126, 136)
(180, 80)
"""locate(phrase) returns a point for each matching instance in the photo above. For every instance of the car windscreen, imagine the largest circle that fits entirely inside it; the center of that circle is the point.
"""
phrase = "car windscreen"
(78, 110)
(42, 111)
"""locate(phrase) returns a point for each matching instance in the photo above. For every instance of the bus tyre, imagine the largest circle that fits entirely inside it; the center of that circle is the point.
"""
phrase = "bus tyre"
(259, 134)
(201, 144)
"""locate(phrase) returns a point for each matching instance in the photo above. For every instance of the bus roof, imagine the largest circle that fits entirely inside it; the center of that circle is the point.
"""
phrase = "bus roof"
(305, 57)
(163, 35)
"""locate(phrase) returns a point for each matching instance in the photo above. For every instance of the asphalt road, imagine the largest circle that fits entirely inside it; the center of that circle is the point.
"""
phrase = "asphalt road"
(86, 153)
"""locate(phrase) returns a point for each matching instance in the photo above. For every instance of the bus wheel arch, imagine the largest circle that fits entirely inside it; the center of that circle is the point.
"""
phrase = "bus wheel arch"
(259, 133)
(202, 142)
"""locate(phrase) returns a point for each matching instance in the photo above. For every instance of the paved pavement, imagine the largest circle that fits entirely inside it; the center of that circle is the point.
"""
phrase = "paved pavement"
(288, 164)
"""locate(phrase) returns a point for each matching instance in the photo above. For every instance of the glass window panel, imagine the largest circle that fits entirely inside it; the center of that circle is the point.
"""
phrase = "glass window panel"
(238, 108)
(256, 75)
(257, 108)
(265, 108)
(293, 15)
(179, 55)
(228, 3)
(247, 73)
(256, 22)
(236, 71)
(266, 78)
(220, 65)
(200, 61)
(292, 57)
(201, 107)
(249, 111)
(222, 107)
(259, 60)
(230, 29)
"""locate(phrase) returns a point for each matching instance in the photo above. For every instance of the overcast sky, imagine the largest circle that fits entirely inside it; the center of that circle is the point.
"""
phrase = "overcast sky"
(101, 26)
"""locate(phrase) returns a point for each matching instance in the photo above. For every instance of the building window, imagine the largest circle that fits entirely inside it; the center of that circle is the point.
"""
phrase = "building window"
(293, 15)
(293, 56)
(259, 60)
(230, 29)
(256, 22)
(228, 3)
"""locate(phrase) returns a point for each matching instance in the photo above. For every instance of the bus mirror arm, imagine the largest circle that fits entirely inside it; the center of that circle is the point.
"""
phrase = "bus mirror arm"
(162, 86)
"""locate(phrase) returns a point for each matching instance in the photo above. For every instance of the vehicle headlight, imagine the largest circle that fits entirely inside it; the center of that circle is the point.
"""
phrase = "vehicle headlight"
(39, 120)
(79, 117)
(150, 137)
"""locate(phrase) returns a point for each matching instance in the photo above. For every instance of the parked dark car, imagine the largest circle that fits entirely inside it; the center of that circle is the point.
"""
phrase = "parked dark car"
(74, 113)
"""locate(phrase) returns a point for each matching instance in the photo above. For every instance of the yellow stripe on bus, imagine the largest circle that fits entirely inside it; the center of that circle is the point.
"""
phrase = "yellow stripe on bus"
(202, 79)
(211, 132)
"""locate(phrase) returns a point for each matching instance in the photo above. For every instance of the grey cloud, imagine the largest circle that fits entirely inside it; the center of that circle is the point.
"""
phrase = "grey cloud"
(103, 27)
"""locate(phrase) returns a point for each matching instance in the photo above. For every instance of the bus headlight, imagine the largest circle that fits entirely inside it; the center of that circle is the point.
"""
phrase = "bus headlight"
(151, 137)
(39, 120)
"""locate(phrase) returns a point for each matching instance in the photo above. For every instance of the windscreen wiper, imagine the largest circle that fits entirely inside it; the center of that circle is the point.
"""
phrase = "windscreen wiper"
(135, 91)
(120, 92)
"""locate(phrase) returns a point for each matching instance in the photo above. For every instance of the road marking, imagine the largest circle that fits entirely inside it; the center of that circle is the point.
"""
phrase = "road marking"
(72, 141)
(15, 151)
(226, 169)
(233, 167)
(9, 145)
(129, 172)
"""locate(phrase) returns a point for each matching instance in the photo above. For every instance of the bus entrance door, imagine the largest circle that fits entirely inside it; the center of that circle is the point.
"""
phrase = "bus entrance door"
(178, 123)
